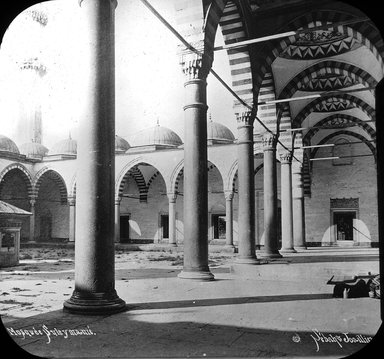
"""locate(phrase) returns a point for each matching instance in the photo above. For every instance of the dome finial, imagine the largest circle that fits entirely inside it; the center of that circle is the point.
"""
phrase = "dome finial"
(210, 117)
(158, 121)
(69, 135)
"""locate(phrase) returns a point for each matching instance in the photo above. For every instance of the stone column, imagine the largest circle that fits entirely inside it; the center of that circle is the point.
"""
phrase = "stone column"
(298, 206)
(246, 182)
(72, 218)
(117, 219)
(172, 219)
(32, 219)
(94, 291)
(229, 219)
(270, 197)
(286, 203)
(195, 68)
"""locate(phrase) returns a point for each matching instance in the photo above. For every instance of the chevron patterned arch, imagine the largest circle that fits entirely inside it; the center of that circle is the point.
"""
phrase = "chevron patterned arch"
(346, 100)
(327, 69)
(344, 120)
(54, 176)
(348, 133)
(363, 33)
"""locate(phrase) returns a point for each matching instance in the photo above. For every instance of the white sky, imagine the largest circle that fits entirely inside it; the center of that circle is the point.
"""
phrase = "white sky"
(149, 81)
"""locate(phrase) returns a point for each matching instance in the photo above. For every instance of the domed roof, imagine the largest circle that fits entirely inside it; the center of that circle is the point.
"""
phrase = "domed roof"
(121, 145)
(64, 147)
(7, 145)
(33, 150)
(157, 135)
(219, 133)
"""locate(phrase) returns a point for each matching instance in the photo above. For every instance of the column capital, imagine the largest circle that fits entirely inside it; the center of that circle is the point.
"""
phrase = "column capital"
(172, 196)
(195, 66)
(285, 157)
(114, 2)
(71, 200)
(269, 141)
(228, 195)
(117, 201)
(245, 117)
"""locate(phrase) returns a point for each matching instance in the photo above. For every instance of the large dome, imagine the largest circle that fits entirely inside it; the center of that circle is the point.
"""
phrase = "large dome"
(157, 135)
(33, 150)
(7, 145)
(64, 147)
(218, 133)
(121, 145)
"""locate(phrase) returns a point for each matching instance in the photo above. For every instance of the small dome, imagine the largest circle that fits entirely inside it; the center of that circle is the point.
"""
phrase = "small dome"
(7, 145)
(157, 135)
(121, 145)
(33, 150)
(64, 147)
(218, 133)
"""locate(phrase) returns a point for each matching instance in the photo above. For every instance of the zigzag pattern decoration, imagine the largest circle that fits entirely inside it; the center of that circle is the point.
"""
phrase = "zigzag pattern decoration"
(333, 104)
(317, 51)
(327, 83)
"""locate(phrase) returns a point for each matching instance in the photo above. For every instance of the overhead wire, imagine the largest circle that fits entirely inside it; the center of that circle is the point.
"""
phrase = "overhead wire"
(196, 51)
(247, 42)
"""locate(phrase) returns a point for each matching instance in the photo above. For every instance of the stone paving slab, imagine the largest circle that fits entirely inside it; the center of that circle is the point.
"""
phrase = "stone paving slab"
(170, 317)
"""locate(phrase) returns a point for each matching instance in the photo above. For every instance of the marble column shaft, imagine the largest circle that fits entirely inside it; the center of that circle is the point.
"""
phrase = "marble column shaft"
(117, 219)
(195, 68)
(298, 206)
(94, 291)
(229, 218)
(32, 219)
(246, 185)
(286, 203)
(72, 218)
(172, 219)
(270, 197)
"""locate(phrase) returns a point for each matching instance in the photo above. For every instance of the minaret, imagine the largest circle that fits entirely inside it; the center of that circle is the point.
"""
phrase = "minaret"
(32, 73)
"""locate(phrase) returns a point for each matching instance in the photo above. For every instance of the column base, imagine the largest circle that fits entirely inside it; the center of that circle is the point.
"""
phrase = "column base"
(270, 255)
(246, 260)
(172, 244)
(288, 250)
(196, 275)
(94, 303)
(301, 247)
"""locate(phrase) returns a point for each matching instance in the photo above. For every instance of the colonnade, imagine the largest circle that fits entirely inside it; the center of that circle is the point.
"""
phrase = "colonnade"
(96, 228)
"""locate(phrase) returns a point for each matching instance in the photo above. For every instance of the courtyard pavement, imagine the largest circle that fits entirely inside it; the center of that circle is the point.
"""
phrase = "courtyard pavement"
(279, 308)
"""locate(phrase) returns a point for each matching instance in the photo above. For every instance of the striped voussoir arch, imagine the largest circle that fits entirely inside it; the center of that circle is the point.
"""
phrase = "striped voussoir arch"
(363, 32)
(335, 117)
(348, 133)
(298, 143)
(25, 175)
(136, 174)
(48, 173)
(233, 31)
(328, 67)
(153, 177)
(267, 113)
(345, 98)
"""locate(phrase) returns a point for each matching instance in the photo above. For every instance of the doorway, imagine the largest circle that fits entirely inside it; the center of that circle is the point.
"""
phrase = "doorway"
(164, 224)
(343, 222)
(45, 228)
(124, 229)
(219, 226)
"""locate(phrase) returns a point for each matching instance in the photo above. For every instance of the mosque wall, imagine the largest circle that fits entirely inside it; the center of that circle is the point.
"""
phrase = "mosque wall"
(348, 186)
